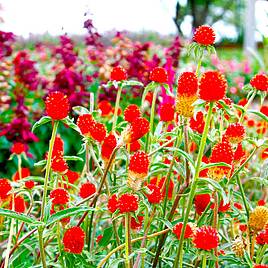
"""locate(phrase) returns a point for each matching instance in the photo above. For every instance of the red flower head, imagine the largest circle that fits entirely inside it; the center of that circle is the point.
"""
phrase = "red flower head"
(59, 196)
(139, 165)
(136, 130)
(58, 146)
(198, 123)
(188, 231)
(239, 154)
(25, 172)
(73, 240)
(155, 196)
(29, 184)
(260, 266)
(87, 189)
(206, 238)
(261, 202)
(83, 122)
(58, 164)
(97, 131)
(131, 113)
(127, 203)
(118, 73)
(108, 146)
(18, 148)
(264, 110)
(57, 105)
(201, 202)
(72, 176)
(159, 74)
(235, 133)
(238, 205)
(136, 225)
(260, 82)
(187, 84)
(105, 107)
(204, 35)
(135, 146)
(166, 112)
(5, 187)
(221, 152)
(262, 237)
(224, 208)
(162, 185)
(212, 86)
(113, 203)
(19, 204)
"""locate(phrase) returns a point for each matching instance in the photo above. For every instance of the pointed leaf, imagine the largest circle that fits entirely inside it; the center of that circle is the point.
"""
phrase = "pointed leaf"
(43, 120)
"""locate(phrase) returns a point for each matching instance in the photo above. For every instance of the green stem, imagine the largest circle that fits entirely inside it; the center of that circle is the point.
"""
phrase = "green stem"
(194, 183)
(41, 245)
(118, 96)
(59, 245)
(243, 195)
(127, 239)
(48, 166)
(204, 261)
(151, 120)
(199, 64)
(247, 105)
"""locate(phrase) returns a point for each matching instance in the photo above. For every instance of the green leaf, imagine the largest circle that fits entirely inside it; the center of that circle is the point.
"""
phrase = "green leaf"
(80, 110)
(20, 217)
(69, 122)
(260, 114)
(219, 164)
(43, 120)
(73, 158)
(67, 213)
(107, 235)
(131, 83)
(166, 222)
(149, 87)
(40, 163)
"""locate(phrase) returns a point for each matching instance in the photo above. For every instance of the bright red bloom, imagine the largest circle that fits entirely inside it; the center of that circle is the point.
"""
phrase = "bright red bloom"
(18, 148)
(5, 187)
(264, 110)
(238, 205)
(98, 239)
(162, 185)
(127, 203)
(72, 176)
(224, 208)
(261, 202)
(239, 154)
(131, 113)
(83, 122)
(136, 225)
(260, 266)
(57, 105)
(19, 204)
(97, 131)
(105, 107)
(155, 196)
(262, 237)
(159, 74)
(198, 123)
(113, 203)
(139, 164)
(58, 146)
(58, 164)
(87, 189)
(25, 172)
(204, 172)
(260, 82)
(135, 146)
(201, 202)
(29, 184)
(204, 35)
(108, 146)
(136, 130)
(187, 84)
(212, 86)
(73, 240)
(264, 153)
(118, 73)
(235, 133)
(166, 112)
(206, 238)
(177, 230)
(59, 196)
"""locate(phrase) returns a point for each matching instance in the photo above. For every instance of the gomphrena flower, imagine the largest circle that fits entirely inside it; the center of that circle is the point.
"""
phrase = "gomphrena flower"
(73, 240)
(25, 172)
(136, 130)
(139, 165)
(108, 145)
(201, 202)
(57, 105)
(204, 35)
(19, 204)
(197, 123)
(113, 203)
(105, 107)
(260, 82)
(135, 146)
(238, 247)
(212, 86)
(5, 187)
(97, 131)
(131, 113)
(134, 224)
(206, 238)
(118, 74)
(262, 237)
(83, 122)
(239, 154)
(155, 196)
(161, 183)
(166, 112)
(186, 94)
(127, 203)
(72, 176)
(260, 266)
(29, 184)
(188, 231)
(18, 148)
(59, 165)
(258, 218)
(221, 152)
(235, 133)
(87, 189)
(159, 74)
(59, 196)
